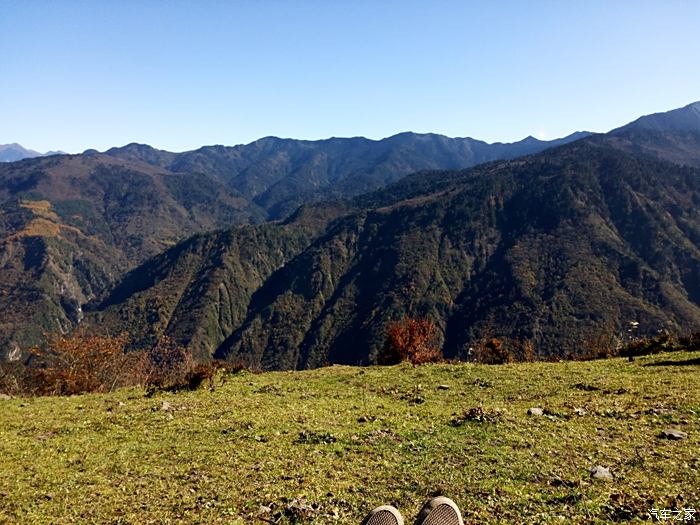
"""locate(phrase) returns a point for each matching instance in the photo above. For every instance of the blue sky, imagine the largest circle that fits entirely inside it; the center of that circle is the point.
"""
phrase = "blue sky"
(181, 74)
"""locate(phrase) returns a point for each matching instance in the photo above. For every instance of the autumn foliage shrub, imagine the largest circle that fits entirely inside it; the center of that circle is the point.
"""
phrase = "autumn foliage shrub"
(76, 364)
(83, 362)
(411, 339)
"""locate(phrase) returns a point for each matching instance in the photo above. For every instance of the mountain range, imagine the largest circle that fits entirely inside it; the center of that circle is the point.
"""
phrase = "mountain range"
(554, 243)
(71, 225)
(14, 152)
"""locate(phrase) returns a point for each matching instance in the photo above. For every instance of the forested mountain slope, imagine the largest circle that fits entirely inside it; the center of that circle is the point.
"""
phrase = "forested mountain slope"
(278, 175)
(558, 248)
(72, 225)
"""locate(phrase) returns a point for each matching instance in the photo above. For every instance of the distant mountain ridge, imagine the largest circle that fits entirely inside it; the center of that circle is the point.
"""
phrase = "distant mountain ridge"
(673, 135)
(71, 225)
(550, 242)
(560, 248)
(686, 118)
(14, 152)
(278, 175)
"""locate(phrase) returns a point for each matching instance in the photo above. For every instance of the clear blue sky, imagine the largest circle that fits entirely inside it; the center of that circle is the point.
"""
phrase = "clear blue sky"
(181, 74)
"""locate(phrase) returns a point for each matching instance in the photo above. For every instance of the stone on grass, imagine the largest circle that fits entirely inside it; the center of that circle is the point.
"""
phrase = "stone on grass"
(601, 473)
(673, 433)
(167, 406)
(5, 397)
(535, 411)
(443, 387)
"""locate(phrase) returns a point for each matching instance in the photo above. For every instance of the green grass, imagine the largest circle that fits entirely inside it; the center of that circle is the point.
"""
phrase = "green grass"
(348, 439)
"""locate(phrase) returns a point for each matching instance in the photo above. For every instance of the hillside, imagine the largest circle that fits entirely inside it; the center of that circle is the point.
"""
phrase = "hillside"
(673, 135)
(197, 291)
(557, 249)
(281, 174)
(278, 175)
(328, 445)
(72, 225)
(567, 245)
(685, 119)
(560, 248)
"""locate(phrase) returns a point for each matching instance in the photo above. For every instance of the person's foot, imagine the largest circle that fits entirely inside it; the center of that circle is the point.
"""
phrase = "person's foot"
(439, 511)
(384, 515)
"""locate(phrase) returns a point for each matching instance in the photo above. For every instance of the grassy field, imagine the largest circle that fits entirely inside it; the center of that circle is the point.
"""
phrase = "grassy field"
(326, 446)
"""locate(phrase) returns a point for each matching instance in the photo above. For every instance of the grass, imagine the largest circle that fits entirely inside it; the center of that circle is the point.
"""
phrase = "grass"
(326, 446)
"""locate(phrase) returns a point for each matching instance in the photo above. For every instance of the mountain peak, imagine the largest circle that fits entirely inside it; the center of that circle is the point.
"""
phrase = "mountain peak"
(132, 146)
(135, 151)
(14, 152)
(686, 118)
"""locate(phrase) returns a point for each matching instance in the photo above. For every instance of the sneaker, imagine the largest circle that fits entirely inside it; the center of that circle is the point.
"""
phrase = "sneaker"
(384, 515)
(439, 511)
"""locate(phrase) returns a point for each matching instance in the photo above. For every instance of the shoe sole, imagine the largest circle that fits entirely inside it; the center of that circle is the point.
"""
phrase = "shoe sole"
(440, 511)
(384, 515)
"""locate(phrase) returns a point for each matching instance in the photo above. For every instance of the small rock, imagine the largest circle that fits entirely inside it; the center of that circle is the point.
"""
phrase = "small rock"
(122, 404)
(673, 433)
(580, 411)
(535, 411)
(300, 508)
(601, 473)
(167, 406)
(443, 387)
(5, 397)
(264, 509)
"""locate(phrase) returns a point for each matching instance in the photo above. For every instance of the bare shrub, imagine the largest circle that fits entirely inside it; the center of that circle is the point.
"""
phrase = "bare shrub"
(526, 351)
(170, 367)
(13, 378)
(662, 342)
(83, 362)
(166, 365)
(691, 342)
(602, 345)
(411, 339)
